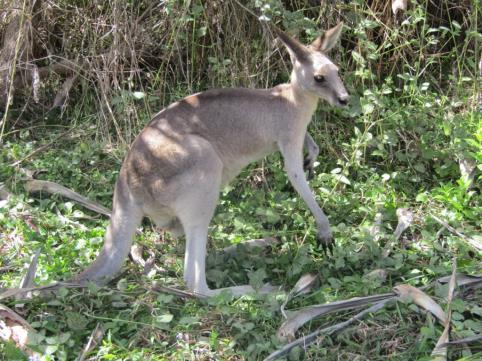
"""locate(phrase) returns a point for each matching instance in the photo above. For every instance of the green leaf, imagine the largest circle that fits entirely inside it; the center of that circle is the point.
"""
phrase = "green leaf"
(202, 31)
(341, 178)
(422, 197)
(49, 350)
(138, 95)
(165, 318)
(164, 298)
(357, 57)
(12, 353)
(188, 320)
(256, 278)
(427, 332)
(76, 321)
(63, 292)
(368, 108)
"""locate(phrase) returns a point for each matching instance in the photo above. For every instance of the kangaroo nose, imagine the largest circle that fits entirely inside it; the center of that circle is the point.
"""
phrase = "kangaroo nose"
(343, 100)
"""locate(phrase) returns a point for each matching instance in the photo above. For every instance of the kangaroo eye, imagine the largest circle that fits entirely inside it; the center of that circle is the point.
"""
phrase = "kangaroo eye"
(319, 78)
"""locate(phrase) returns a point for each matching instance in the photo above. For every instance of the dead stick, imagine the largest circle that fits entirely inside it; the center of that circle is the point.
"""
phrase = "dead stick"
(477, 245)
(35, 185)
(309, 339)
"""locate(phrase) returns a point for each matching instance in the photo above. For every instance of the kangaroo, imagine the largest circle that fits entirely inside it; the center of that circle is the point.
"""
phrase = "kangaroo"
(175, 168)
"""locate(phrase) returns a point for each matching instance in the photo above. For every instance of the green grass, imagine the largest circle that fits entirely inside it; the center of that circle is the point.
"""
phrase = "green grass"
(141, 324)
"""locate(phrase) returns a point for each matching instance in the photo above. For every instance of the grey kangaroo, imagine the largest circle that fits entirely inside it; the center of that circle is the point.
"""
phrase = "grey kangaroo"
(177, 165)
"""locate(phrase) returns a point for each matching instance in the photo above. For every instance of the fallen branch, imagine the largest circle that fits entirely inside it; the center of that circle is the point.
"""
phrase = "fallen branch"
(23, 293)
(469, 282)
(35, 185)
(461, 341)
(15, 317)
(173, 291)
(14, 328)
(463, 280)
(474, 243)
(288, 328)
(309, 339)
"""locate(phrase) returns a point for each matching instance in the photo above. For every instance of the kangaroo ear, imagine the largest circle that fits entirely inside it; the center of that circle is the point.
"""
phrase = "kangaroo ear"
(297, 50)
(328, 39)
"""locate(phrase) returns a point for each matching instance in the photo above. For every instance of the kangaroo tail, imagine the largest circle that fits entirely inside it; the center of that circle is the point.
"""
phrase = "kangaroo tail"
(125, 218)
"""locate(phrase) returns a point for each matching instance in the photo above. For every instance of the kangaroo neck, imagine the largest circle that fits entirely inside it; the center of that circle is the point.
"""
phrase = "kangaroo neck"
(304, 102)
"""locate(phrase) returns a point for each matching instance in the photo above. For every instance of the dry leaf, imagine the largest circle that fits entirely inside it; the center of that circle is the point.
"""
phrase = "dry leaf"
(405, 219)
(63, 93)
(301, 287)
(27, 281)
(399, 5)
(94, 339)
(407, 292)
(287, 330)
(136, 254)
(35, 83)
(4, 193)
(376, 229)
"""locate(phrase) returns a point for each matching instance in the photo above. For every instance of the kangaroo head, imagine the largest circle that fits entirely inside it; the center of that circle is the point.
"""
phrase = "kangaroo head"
(313, 71)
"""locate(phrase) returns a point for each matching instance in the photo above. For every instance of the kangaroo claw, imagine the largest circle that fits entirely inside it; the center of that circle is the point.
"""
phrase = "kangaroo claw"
(327, 244)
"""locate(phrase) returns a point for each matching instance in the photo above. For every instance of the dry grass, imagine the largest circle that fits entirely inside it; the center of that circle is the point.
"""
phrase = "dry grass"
(96, 54)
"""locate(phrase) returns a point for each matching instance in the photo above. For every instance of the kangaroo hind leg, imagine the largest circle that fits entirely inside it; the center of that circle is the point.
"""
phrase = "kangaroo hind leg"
(199, 188)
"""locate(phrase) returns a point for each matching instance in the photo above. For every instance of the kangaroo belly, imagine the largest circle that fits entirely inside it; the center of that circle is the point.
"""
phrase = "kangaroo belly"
(234, 165)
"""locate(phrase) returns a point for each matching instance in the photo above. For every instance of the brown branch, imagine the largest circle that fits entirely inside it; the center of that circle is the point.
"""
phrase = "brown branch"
(63, 67)
(471, 241)
(51, 187)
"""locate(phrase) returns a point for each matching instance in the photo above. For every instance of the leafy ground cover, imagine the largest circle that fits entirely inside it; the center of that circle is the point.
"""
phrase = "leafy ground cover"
(413, 128)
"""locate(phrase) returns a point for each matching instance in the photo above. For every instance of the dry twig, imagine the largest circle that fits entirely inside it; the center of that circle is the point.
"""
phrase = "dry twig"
(94, 339)
(472, 242)
(35, 185)
(309, 339)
